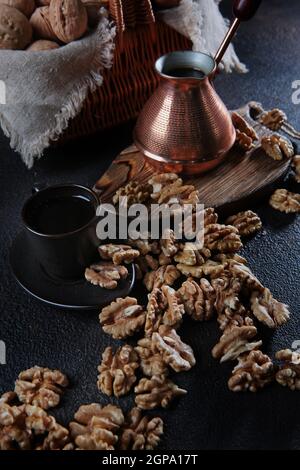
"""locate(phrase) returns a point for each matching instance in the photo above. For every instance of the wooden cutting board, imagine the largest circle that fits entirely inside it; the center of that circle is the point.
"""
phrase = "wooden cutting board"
(241, 180)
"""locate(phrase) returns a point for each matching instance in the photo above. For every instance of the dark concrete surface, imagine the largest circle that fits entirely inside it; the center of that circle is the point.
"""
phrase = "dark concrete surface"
(209, 416)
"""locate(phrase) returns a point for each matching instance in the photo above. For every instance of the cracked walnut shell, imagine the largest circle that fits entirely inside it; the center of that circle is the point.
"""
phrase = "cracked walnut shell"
(118, 253)
(285, 201)
(96, 427)
(68, 19)
(235, 342)
(41, 387)
(198, 298)
(117, 371)
(122, 318)
(155, 392)
(268, 310)
(151, 361)
(246, 222)
(277, 147)
(253, 371)
(178, 355)
(289, 370)
(105, 275)
(140, 432)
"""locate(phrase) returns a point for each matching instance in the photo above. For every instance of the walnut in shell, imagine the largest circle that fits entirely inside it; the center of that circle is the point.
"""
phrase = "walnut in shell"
(40, 386)
(198, 298)
(277, 147)
(140, 432)
(15, 29)
(151, 361)
(253, 371)
(105, 275)
(96, 427)
(178, 355)
(234, 342)
(245, 134)
(156, 392)
(246, 222)
(42, 45)
(24, 6)
(122, 318)
(222, 238)
(284, 201)
(68, 19)
(92, 8)
(289, 370)
(41, 25)
(268, 310)
(118, 253)
(117, 371)
(273, 119)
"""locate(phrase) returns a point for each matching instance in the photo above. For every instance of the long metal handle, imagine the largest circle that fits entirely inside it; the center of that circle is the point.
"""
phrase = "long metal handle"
(243, 10)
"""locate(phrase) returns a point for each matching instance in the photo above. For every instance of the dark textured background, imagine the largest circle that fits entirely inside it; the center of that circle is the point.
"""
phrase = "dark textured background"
(209, 416)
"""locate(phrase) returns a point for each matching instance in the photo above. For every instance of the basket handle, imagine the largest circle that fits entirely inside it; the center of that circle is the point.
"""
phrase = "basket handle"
(127, 13)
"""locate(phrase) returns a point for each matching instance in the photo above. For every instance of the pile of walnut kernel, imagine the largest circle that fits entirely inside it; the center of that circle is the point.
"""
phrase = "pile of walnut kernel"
(213, 283)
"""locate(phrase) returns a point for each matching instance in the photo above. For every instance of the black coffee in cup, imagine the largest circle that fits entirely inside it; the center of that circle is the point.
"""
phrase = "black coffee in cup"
(60, 223)
(61, 214)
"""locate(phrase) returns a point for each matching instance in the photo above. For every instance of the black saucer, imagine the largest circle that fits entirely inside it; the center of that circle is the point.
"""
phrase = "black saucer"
(79, 294)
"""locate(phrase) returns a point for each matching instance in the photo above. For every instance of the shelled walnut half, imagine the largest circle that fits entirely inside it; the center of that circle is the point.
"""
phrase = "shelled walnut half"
(96, 427)
(277, 147)
(156, 392)
(122, 318)
(151, 361)
(284, 201)
(268, 310)
(245, 134)
(178, 355)
(234, 342)
(40, 386)
(253, 371)
(105, 275)
(198, 298)
(117, 371)
(246, 222)
(140, 432)
(118, 253)
(289, 370)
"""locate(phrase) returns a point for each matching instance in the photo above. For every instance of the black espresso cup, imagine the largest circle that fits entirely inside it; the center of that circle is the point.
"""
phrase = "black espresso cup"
(60, 222)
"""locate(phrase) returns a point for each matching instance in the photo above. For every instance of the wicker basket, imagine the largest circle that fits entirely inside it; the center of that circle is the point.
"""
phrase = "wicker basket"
(130, 82)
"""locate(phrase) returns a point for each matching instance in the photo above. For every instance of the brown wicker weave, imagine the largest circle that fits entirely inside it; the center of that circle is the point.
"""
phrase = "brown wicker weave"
(130, 82)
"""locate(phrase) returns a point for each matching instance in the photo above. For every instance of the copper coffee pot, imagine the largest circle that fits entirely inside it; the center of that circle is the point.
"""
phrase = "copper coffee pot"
(185, 127)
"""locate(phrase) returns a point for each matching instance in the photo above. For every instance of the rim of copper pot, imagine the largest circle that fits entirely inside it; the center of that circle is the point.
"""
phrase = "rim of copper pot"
(185, 59)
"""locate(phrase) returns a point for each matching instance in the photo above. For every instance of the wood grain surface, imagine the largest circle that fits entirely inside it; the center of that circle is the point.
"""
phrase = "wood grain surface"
(237, 182)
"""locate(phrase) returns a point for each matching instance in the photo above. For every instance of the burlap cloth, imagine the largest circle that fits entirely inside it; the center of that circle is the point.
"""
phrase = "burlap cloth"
(43, 91)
